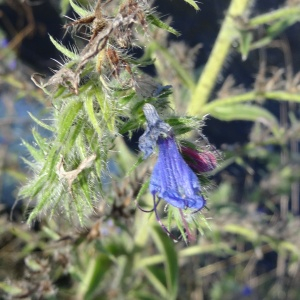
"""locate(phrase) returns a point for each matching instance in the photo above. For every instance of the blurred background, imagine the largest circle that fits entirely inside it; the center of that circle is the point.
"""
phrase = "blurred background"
(251, 250)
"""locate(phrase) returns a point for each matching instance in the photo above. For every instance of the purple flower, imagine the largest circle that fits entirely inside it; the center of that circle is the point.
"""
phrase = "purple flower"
(172, 179)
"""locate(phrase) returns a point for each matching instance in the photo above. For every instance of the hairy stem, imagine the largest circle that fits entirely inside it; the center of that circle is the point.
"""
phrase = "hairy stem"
(218, 55)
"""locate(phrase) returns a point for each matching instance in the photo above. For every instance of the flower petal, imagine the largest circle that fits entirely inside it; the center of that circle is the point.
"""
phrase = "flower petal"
(173, 180)
(155, 128)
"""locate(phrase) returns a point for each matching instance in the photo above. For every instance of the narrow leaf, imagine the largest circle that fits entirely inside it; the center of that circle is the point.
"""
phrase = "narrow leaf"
(79, 10)
(11, 289)
(41, 204)
(67, 118)
(96, 271)
(86, 190)
(40, 123)
(41, 142)
(166, 247)
(35, 153)
(155, 277)
(245, 113)
(193, 3)
(107, 110)
(65, 51)
(89, 108)
(64, 5)
(160, 24)
(248, 233)
(73, 135)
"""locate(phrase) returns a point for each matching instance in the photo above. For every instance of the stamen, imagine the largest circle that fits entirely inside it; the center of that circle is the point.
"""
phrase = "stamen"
(160, 222)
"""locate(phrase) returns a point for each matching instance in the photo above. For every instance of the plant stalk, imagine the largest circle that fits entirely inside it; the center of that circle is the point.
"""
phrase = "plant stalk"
(218, 55)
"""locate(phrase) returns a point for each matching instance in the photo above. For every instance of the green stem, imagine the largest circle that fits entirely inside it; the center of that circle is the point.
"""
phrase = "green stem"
(218, 55)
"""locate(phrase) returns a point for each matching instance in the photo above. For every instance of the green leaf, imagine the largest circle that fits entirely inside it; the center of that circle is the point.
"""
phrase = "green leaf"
(59, 196)
(73, 135)
(107, 109)
(245, 113)
(130, 125)
(182, 125)
(65, 51)
(96, 270)
(79, 10)
(89, 108)
(79, 205)
(64, 5)
(35, 153)
(11, 289)
(51, 163)
(216, 248)
(282, 13)
(67, 118)
(245, 43)
(34, 188)
(42, 202)
(143, 295)
(157, 277)
(86, 190)
(166, 247)
(247, 233)
(193, 3)
(289, 246)
(50, 233)
(160, 24)
(41, 142)
(17, 175)
(273, 31)
(124, 100)
(40, 123)
(142, 190)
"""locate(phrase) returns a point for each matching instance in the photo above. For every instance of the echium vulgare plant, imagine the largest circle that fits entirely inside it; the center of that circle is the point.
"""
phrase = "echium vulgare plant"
(98, 95)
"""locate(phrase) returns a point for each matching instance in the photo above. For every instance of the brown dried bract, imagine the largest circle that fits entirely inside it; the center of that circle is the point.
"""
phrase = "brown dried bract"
(72, 175)
(104, 33)
(116, 62)
(97, 21)
(65, 77)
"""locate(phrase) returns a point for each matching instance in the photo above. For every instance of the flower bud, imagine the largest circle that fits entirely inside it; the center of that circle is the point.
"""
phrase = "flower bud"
(200, 162)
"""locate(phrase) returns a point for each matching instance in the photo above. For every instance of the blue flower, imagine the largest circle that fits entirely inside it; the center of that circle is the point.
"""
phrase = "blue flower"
(172, 179)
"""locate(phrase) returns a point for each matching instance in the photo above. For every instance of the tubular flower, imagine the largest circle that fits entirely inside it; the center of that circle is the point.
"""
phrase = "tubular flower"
(200, 162)
(172, 179)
